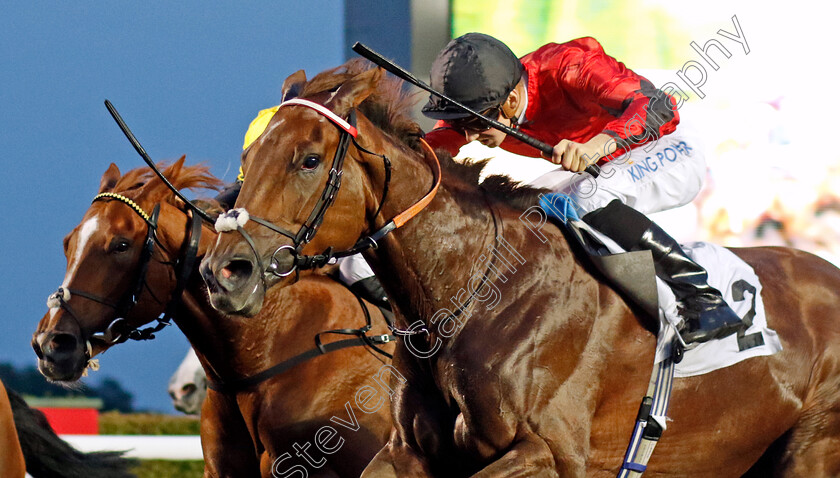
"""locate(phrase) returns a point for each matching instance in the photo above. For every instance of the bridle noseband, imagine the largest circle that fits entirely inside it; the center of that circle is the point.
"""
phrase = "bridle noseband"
(114, 333)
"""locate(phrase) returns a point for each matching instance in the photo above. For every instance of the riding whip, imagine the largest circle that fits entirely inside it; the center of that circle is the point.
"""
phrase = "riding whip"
(134, 142)
(398, 71)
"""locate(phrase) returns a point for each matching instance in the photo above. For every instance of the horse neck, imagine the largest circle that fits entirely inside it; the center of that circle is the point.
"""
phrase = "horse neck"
(438, 258)
(217, 339)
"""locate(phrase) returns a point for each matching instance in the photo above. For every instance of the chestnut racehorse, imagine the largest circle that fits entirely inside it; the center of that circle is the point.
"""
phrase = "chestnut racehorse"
(11, 456)
(247, 429)
(532, 366)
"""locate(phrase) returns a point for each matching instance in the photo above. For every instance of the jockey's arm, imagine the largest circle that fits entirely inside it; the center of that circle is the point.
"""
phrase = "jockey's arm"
(576, 157)
(643, 113)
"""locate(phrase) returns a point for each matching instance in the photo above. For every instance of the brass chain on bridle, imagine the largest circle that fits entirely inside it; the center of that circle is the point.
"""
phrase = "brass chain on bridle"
(116, 331)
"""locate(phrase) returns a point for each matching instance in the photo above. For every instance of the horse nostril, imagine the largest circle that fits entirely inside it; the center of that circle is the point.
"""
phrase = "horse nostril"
(188, 389)
(37, 349)
(63, 343)
(235, 273)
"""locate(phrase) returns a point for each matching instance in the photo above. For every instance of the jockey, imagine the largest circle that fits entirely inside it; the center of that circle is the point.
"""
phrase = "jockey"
(593, 109)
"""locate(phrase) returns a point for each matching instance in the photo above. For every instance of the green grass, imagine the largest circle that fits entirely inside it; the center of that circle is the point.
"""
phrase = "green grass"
(115, 423)
(169, 469)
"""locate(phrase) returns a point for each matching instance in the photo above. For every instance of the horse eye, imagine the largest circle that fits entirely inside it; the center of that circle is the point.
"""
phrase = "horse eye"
(311, 162)
(120, 245)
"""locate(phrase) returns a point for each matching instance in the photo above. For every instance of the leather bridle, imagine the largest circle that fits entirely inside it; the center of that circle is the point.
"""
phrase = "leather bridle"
(116, 332)
(300, 239)
(307, 231)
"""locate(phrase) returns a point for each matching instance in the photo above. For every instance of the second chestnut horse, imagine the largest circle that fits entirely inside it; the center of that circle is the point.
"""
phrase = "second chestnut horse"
(305, 418)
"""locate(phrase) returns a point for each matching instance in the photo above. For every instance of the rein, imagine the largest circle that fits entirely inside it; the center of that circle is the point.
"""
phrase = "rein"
(362, 339)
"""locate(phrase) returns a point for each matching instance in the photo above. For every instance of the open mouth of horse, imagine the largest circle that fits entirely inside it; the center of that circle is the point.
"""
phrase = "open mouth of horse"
(234, 286)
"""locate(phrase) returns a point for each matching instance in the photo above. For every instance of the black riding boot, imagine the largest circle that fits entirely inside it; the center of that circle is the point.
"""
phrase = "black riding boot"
(706, 315)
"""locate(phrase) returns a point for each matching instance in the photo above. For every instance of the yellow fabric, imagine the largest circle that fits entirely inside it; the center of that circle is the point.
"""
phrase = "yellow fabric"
(258, 125)
(255, 129)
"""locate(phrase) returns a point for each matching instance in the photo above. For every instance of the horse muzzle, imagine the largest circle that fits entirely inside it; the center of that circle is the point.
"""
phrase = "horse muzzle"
(61, 356)
(235, 285)
(189, 397)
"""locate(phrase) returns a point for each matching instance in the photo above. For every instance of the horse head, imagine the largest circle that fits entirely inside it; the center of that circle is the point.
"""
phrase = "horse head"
(188, 385)
(121, 262)
(292, 171)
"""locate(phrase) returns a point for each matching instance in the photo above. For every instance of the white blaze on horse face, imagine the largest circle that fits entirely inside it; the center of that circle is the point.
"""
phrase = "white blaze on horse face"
(270, 129)
(85, 233)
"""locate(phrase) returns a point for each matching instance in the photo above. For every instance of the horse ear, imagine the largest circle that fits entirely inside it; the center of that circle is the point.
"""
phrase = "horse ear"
(354, 91)
(293, 85)
(172, 173)
(109, 179)
(176, 167)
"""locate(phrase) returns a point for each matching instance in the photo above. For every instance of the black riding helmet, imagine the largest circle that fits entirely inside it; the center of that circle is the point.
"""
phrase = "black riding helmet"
(474, 69)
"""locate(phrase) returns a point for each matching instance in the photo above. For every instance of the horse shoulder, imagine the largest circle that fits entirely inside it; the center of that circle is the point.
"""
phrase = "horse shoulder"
(11, 457)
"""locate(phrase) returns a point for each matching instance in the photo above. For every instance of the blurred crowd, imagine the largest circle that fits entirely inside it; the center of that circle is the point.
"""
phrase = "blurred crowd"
(771, 180)
(769, 184)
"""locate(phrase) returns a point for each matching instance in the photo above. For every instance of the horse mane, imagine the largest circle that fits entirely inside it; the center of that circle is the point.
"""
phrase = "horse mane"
(388, 107)
(498, 186)
(144, 181)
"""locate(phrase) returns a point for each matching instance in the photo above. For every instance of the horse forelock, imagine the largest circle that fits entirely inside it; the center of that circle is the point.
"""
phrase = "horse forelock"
(142, 184)
(132, 180)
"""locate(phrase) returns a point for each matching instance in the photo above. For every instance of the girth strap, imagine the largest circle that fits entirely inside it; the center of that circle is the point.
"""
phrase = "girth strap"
(650, 421)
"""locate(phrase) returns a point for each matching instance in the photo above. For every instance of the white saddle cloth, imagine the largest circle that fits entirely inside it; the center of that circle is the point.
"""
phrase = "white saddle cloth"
(742, 291)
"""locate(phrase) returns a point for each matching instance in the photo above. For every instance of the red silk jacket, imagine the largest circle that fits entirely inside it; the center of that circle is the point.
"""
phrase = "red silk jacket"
(576, 91)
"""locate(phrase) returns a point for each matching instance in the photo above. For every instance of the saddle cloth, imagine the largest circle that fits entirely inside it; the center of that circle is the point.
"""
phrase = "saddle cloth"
(741, 289)
(728, 273)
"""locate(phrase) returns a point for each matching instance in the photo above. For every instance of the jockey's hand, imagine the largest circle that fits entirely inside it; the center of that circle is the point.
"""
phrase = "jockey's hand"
(575, 157)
